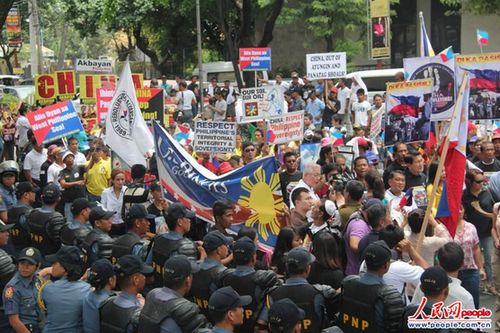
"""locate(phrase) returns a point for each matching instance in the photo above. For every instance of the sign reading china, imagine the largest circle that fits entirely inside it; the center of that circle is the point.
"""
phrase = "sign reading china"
(286, 128)
(326, 65)
(91, 65)
(151, 103)
(89, 84)
(51, 87)
(214, 136)
(54, 122)
(255, 59)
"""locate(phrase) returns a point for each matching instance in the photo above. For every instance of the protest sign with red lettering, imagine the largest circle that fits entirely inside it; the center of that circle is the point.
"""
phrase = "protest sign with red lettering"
(286, 128)
(151, 103)
(52, 87)
(104, 97)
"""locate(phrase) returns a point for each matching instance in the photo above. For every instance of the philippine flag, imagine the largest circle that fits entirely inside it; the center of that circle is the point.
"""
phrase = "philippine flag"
(407, 199)
(484, 79)
(426, 49)
(451, 198)
(482, 37)
(408, 106)
(447, 54)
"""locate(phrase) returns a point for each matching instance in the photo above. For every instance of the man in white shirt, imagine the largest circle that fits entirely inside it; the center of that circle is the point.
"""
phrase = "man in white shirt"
(451, 258)
(311, 177)
(344, 94)
(186, 100)
(361, 110)
(73, 147)
(33, 162)
(282, 84)
(22, 128)
(220, 107)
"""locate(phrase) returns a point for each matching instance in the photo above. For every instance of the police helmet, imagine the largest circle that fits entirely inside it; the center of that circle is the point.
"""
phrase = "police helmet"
(9, 167)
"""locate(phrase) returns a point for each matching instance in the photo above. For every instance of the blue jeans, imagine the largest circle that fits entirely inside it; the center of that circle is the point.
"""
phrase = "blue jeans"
(67, 212)
(470, 281)
(93, 198)
(486, 244)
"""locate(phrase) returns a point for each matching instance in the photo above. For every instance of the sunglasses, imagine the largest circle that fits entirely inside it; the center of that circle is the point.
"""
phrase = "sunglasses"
(249, 150)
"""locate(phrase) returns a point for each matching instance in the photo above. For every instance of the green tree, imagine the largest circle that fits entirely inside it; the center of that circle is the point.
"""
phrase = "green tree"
(478, 7)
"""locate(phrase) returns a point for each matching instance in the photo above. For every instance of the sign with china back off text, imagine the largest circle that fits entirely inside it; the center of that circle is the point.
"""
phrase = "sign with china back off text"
(255, 59)
(52, 87)
(215, 136)
(326, 65)
(54, 122)
(286, 128)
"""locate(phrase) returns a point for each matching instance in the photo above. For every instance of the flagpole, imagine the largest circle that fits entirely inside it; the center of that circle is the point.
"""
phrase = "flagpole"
(439, 172)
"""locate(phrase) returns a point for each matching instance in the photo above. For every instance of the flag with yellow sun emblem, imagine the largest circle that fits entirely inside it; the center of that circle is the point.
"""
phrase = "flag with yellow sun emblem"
(254, 189)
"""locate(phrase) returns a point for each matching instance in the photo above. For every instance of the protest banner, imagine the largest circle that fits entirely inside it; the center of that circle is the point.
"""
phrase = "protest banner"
(170, 105)
(255, 59)
(379, 30)
(442, 73)
(88, 117)
(89, 83)
(103, 101)
(408, 111)
(326, 65)
(261, 102)
(49, 88)
(376, 124)
(253, 189)
(54, 122)
(484, 73)
(92, 65)
(13, 27)
(286, 128)
(151, 103)
(309, 153)
(214, 136)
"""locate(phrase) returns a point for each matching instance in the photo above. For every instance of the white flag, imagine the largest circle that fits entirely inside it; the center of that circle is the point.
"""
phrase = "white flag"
(126, 130)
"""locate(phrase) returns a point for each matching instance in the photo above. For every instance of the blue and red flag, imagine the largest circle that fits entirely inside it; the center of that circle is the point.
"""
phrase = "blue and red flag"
(408, 106)
(484, 79)
(483, 37)
(454, 164)
(447, 54)
(406, 200)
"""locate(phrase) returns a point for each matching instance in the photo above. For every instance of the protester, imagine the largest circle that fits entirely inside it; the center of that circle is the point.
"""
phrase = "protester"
(71, 180)
(98, 174)
(287, 239)
(112, 197)
(290, 177)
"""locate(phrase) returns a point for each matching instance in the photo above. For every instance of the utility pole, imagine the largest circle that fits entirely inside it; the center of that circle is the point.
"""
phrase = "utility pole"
(200, 57)
(35, 41)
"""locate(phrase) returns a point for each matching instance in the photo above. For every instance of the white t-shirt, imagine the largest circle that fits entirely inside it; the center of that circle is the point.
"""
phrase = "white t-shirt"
(110, 202)
(186, 97)
(222, 105)
(343, 95)
(53, 173)
(361, 111)
(22, 128)
(33, 162)
(456, 293)
(80, 158)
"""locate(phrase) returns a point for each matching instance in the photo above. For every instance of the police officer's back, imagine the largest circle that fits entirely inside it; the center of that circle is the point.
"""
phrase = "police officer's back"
(18, 213)
(7, 270)
(136, 193)
(173, 242)
(74, 233)
(367, 303)
(45, 223)
(62, 300)
(166, 309)
(314, 300)
(216, 246)
(98, 242)
(20, 293)
(247, 281)
(135, 241)
(120, 313)
(226, 309)
(285, 317)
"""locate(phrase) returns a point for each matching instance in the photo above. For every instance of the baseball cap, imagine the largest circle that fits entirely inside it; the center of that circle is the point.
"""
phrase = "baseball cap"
(473, 139)
(98, 213)
(137, 211)
(30, 254)
(130, 264)
(101, 270)
(70, 257)
(25, 187)
(496, 136)
(433, 280)
(225, 167)
(298, 259)
(214, 239)
(56, 151)
(67, 153)
(51, 192)
(285, 314)
(80, 204)
(362, 142)
(178, 210)
(5, 227)
(244, 248)
(333, 90)
(227, 298)
(377, 253)
(357, 127)
(178, 267)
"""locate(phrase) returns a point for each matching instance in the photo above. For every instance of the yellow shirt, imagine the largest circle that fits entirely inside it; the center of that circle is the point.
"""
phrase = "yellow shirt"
(97, 178)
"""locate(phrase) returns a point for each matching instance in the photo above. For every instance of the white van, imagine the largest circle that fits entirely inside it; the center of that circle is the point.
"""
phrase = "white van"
(376, 80)
(222, 71)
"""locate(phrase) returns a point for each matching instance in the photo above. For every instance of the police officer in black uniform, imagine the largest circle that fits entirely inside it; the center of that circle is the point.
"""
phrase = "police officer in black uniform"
(314, 300)
(45, 223)
(173, 242)
(135, 241)
(98, 243)
(247, 281)
(74, 233)
(366, 302)
(166, 309)
(7, 270)
(216, 246)
(285, 317)
(226, 309)
(136, 193)
(18, 214)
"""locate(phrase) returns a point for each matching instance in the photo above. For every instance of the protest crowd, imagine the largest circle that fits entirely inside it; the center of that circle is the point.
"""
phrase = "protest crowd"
(88, 247)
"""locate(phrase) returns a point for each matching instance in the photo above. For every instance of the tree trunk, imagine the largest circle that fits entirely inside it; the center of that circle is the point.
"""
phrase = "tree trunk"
(267, 35)
(62, 46)
(10, 68)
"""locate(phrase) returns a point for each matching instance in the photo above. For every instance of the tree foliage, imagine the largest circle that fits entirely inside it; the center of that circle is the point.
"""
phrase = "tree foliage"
(478, 7)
